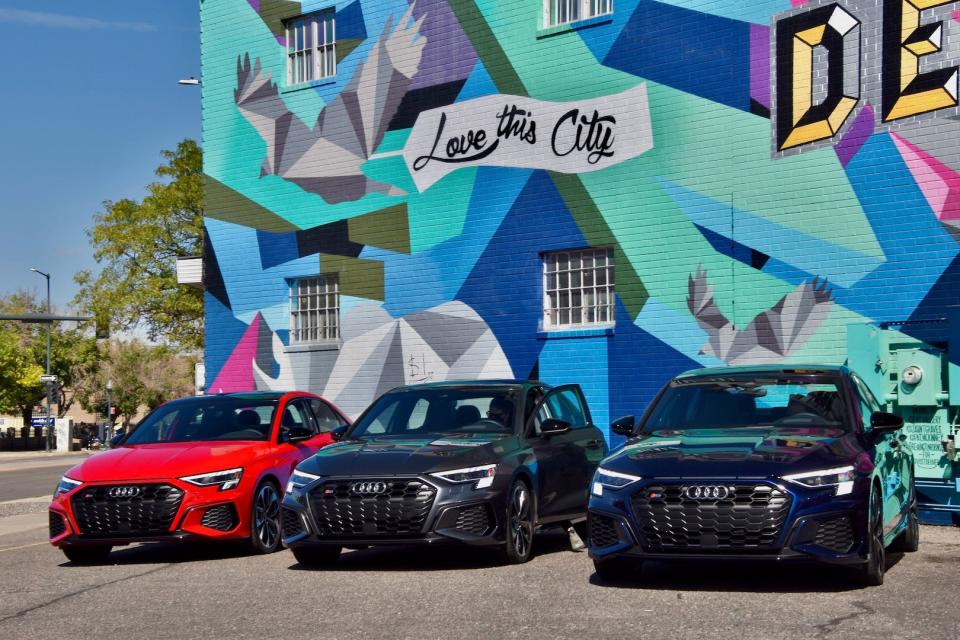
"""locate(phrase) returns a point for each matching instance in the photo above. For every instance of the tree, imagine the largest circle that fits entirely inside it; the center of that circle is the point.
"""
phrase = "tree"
(20, 385)
(138, 244)
(143, 376)
(73, 355)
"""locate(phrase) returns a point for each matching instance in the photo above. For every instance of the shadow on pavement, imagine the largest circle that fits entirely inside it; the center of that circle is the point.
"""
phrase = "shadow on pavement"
(452, 557)
(747, 576)
(165, 553)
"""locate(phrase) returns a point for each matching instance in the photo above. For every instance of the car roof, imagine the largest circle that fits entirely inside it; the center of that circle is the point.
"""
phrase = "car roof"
(746, 370)
(471, 384)
(243, 395)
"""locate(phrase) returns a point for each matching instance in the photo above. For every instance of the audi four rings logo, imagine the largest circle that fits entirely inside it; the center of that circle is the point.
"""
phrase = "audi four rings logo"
(707, 492)
(123, 492)
(369, 487)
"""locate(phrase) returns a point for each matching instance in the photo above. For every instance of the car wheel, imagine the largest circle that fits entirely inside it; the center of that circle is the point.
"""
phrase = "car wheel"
(873, 570)
(316, 555)
(86, 554)
(265, 519)
(520, 523)
(909, 540)
(617, 569)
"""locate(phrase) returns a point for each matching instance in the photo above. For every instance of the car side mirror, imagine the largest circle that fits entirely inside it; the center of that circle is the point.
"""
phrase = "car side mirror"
(554, 426)
(294, 434)
(339, 432)
(883, 422)
(623, 426)
(116, 440)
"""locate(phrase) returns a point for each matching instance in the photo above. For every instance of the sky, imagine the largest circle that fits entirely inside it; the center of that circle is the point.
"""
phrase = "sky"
(89, 98)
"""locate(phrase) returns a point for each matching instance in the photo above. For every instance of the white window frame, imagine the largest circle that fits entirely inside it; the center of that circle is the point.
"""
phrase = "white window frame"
(578, 288)
(311, 52)
(560, 12)
(314, 309)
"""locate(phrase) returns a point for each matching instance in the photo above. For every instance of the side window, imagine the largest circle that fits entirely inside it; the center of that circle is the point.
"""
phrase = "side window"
(297, 415)
(327, 418)
(868, 403)
(562, 404)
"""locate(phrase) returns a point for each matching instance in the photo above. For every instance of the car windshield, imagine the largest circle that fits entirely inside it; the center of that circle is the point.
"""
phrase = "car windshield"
(787, 402)
(412, 412)
(207, 418)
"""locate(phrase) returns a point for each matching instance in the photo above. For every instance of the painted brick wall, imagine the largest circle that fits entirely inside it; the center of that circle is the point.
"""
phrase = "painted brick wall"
(730, 247)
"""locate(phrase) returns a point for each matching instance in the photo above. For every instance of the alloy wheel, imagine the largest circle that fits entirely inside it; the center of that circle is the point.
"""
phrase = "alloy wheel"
(521, 521)
(266, 517)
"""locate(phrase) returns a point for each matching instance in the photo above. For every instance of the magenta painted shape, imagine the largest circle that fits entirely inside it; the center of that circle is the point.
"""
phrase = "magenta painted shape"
(760, 64)
(255, 4)
(856, 135)
(955, 14)
(798, 3)
(237, 373)
(939, 183)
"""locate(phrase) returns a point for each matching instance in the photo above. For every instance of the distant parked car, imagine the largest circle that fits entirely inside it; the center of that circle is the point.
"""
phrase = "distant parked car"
(796, 463)
(207, 467)
(479, 463)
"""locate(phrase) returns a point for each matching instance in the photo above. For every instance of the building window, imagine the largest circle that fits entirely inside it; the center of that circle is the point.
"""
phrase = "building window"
(311, 47)
(314, 309)
(578, 288)
(557, 12)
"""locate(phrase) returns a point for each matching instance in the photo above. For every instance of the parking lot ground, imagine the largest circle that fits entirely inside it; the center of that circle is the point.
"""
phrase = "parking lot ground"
(172, 591)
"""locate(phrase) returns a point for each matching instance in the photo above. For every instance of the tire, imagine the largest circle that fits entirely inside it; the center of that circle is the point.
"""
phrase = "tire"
(617, 569)
(520, 523)
(909, 540)
(265, 519)
(872, 572)
(316, 556)
(87, 554)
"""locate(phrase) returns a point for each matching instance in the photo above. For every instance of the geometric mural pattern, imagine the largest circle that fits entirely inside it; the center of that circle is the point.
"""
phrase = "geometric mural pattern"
(723, 247)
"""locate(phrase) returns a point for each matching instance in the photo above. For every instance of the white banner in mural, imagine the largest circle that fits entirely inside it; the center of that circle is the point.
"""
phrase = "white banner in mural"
(513, 131)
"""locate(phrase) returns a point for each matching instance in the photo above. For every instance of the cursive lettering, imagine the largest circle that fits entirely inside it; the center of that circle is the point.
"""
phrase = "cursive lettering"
(457, 146)
(593, 135)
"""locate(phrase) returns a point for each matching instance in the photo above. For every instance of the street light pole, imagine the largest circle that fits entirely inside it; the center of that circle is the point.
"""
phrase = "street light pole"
(109, 433)
(49, 383)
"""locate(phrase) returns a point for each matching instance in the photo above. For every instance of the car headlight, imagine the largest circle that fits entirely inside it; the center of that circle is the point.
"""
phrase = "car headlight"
(483, 476)
(227, 479)
(300, 479)
(840, 477)
(66, 485)
(611, 479)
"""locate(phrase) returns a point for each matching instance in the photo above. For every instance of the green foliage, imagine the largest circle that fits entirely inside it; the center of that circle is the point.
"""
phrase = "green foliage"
(20, 385)
(143, 376)
(73, 356)
(138, 244)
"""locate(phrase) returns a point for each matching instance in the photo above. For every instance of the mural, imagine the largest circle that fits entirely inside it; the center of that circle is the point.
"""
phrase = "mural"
(746, 155)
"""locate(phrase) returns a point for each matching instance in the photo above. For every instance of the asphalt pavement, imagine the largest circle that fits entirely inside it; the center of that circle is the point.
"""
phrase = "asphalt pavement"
(174, 591)
(28, 476)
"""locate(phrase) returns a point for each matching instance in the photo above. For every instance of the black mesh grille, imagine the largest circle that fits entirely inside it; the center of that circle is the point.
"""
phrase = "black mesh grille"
(835, 534)
(475, 520)
(105, 511)
(603, 531)
(222, 517)
(749, 518)
(57, 525)
(291, 522)
(400, 509)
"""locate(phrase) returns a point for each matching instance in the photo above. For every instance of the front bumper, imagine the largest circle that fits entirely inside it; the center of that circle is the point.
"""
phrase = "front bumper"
(88, 516)
(815, 525)
(456, 513)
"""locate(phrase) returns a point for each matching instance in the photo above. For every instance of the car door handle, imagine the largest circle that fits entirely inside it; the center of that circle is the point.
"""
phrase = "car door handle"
(594, 444)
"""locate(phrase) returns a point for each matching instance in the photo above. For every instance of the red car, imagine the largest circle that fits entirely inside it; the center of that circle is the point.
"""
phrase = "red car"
(206, 467)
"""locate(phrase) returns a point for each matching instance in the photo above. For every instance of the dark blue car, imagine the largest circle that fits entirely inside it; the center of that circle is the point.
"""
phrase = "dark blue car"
(796, 463)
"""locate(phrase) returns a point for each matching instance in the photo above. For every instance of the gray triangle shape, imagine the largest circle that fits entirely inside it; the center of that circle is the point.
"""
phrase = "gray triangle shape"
(391, 373)
(450, 336)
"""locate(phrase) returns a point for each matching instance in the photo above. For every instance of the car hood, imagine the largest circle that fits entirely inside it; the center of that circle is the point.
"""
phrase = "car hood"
(397, 455)
(733, 452)
(163, 460)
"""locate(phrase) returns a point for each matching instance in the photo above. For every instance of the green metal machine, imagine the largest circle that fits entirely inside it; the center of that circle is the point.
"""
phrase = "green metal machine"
(919, 380)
